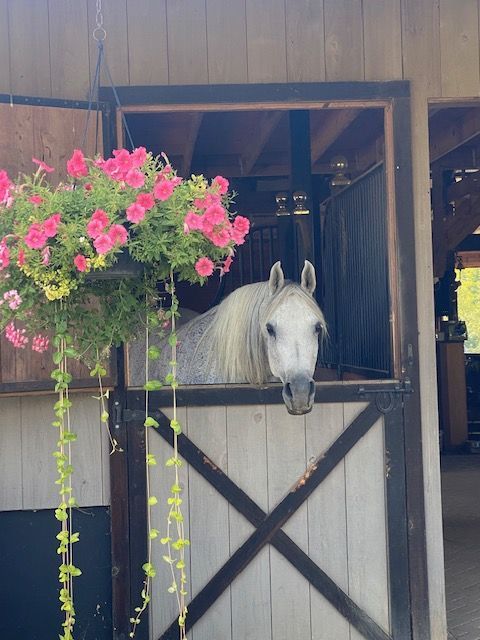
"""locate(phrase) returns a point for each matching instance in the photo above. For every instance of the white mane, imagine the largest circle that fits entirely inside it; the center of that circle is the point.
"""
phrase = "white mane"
(236, 335)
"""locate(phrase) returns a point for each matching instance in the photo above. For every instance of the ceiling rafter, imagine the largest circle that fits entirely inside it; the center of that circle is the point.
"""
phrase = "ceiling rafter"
(266, 124)
(195, 123)
(331, 126)
(444, 139)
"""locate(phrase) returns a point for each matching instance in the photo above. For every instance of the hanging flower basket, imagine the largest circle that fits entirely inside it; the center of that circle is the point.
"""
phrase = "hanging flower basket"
(81, 263)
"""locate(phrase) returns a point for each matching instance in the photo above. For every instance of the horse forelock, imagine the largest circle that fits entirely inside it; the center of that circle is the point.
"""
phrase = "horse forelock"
(236, 336)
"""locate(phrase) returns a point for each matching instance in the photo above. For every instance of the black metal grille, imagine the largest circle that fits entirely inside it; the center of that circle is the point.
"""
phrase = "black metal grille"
(254, 258)
(355, 294)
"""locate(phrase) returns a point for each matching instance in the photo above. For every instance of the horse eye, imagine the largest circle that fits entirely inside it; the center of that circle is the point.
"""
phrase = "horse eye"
(318, 327)
(270, 330)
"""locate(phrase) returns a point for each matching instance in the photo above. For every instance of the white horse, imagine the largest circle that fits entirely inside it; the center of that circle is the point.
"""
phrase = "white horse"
(261, 332)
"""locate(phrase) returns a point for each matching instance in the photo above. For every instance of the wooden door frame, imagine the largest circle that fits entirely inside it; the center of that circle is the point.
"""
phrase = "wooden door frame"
(394, 98)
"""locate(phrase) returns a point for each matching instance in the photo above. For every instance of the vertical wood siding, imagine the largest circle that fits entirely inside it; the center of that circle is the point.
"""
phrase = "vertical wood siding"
(27, 467)
(46, 46)
(341, 526)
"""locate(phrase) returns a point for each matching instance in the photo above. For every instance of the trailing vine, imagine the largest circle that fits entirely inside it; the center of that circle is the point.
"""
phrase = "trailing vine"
(174, 502)
(63, 513)
(174, 517)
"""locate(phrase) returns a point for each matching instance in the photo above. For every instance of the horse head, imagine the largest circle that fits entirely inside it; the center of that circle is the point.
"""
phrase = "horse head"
(292, 324)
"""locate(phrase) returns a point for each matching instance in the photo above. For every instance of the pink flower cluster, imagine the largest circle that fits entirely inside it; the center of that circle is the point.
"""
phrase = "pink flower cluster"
(125, 166)
(5, 186)
(103, 240)
(4, 255)
(16, 336)
(76, 166)
(12, 298)
(39, 232)
(40, 343)
(215, 225)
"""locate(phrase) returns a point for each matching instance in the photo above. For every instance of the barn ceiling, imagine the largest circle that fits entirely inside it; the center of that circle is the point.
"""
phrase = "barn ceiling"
(257, 143)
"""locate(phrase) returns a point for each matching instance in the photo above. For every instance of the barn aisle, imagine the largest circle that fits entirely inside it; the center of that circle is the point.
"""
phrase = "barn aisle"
(461, 526)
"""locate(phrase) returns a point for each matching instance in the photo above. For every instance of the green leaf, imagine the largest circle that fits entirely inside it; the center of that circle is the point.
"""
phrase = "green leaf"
(152, 501)
(175, 425)
(153, 353)
(70, 352)
(57, 357)
(151, 422)
(151, 460)
(104, 417)
(172, 339)
(153, 534)
(153, 385)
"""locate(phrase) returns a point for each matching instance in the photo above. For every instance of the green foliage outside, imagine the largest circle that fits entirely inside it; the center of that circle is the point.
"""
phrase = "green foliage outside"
(469, 306)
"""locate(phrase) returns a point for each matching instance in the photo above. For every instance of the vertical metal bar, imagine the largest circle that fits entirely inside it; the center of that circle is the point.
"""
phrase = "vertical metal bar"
(262, 256)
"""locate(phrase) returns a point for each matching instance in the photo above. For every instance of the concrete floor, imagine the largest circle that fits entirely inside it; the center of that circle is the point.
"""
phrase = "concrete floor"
(461, 531)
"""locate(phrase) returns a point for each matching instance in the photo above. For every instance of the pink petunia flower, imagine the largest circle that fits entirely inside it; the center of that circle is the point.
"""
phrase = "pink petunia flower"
(36, 200)
(16, 336)
(4, 256)
(221, 238)
(101, 215)
(238, 236)
(215, 214)
(204, 267)
(135, 178)
(163, 190)
(51, 224)
(103, 243)
(118, 234)
(35, 238)
(76, 166)
(139, 155)
(5, 186)
(146, 200)
(88, 186)
(12, 298)
(43, 165)
(221, 184)
(80, 262)
(135, 213)
(241, 224)
(97, 223)
(227, 264)
(193, 222)
(40, 343)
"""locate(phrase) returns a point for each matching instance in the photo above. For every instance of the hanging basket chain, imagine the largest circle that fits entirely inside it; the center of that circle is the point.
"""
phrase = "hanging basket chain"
(99, 33)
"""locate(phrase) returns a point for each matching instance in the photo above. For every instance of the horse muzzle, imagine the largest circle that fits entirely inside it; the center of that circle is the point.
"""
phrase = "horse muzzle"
(298, 395)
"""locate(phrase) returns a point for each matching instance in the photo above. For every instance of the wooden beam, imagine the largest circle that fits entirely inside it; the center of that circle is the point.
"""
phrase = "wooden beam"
(467, 187)
(443, 139)
(332, 125)
(449, 231)
(255, 142)
(195, 124)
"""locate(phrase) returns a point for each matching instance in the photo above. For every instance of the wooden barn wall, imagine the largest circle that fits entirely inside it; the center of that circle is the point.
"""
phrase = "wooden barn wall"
(46, 46)
(27, 466)
(46, 49)
(342, 525)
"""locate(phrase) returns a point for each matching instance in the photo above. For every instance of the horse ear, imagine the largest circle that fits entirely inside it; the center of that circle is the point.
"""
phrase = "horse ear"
(277, 279)
(309, 281)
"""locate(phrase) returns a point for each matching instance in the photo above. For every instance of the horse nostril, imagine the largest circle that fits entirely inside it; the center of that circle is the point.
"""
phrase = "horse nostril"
(288, 390)
(312, 387)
